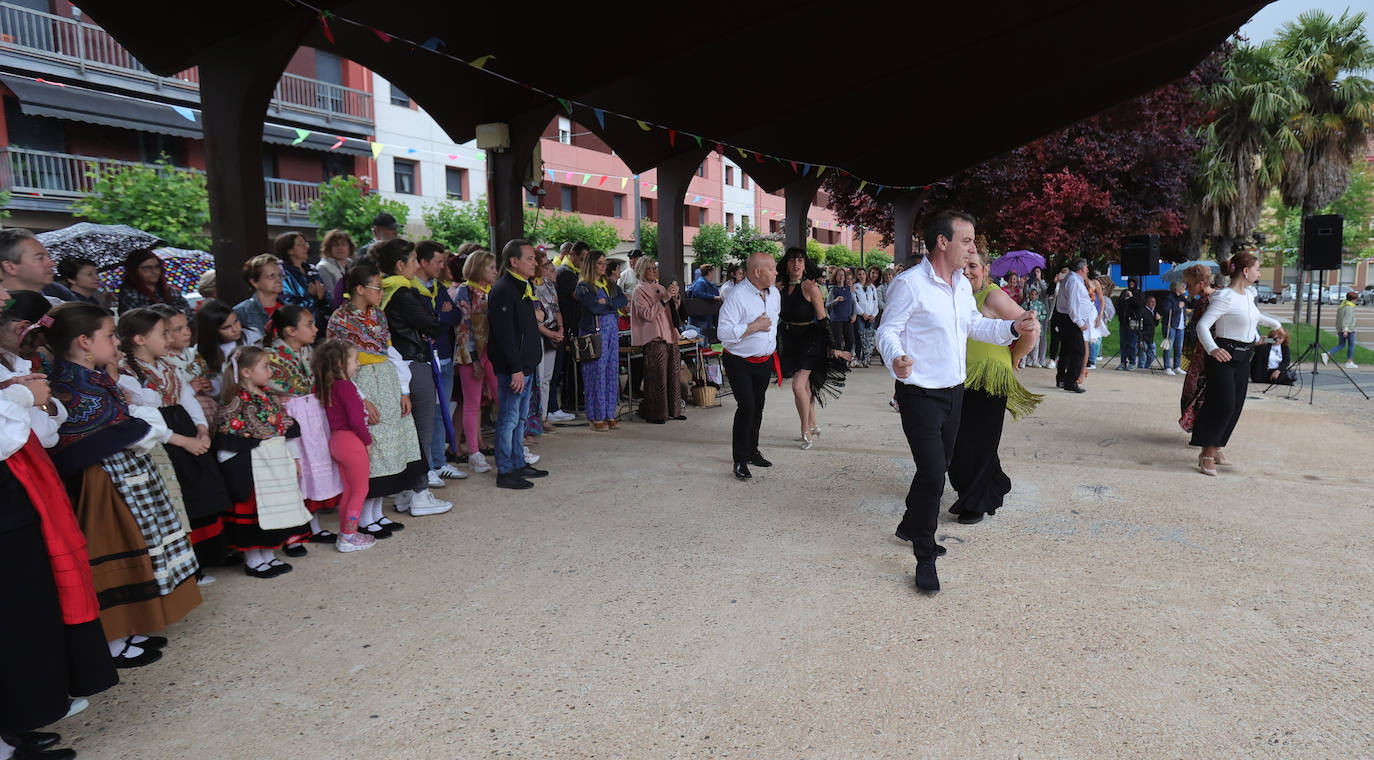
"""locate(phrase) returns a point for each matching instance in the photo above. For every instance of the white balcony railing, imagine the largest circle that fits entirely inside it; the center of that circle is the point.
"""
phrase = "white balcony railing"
(86, 46)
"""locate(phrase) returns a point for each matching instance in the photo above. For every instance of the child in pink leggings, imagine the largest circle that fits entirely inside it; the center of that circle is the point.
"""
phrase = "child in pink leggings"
(334, 365)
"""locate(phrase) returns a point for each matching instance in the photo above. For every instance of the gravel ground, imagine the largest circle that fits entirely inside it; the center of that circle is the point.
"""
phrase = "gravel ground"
(640, 603)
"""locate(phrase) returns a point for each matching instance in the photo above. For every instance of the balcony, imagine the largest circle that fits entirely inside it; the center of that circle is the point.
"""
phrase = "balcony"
(50, 45)
(43, 181)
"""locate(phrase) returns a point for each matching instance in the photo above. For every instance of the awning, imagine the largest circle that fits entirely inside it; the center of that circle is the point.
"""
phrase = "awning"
(94, 107)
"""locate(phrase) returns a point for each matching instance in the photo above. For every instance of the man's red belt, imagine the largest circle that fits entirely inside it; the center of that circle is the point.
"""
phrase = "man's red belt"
(773, 357)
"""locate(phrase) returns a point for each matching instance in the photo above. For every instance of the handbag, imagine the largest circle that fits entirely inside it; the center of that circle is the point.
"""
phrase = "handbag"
(587, 348)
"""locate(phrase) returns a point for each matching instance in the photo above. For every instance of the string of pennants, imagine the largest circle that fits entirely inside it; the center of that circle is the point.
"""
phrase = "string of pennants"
(438, 47)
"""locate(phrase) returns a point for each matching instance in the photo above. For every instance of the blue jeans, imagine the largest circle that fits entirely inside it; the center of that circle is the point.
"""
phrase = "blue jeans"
(1146, 351)
(439, 440)
(1174, 355)
(1094, 348)
(1129, 349)
(1348, 342)
(510, 424)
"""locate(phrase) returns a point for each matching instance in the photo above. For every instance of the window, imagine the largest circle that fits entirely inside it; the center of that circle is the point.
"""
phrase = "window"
(701, 170)
(564, 130)
(399, 98)
(701, 214)
(646, 209)
(729, 175)
(566, 199)
(453, 182)
(618, 206)
(744, 180)
(531, 199)
(729, 217)
(773, 225)
(404, 173)
(744, 220)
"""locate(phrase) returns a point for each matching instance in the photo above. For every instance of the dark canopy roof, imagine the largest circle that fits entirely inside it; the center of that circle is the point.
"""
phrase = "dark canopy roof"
(898, 94)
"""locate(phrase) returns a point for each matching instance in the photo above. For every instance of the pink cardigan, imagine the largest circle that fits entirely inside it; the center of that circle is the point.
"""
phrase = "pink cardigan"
(649, 318)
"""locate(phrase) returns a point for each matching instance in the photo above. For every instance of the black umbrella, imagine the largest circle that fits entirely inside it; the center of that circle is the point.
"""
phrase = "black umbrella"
(105, 244)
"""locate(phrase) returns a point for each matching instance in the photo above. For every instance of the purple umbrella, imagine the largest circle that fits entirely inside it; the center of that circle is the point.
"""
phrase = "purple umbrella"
(1020, 262)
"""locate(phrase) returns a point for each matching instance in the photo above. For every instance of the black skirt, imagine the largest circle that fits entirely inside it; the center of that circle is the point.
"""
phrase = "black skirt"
(807, 347)
(975, 470)
(43, 661)
(202, 488)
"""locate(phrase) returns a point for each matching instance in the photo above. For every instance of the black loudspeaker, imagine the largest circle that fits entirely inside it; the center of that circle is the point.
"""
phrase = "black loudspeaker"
(1321, 242)
(1140, 255)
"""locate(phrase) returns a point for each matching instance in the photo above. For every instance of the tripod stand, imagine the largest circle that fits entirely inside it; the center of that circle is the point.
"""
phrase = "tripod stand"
(1316, 350)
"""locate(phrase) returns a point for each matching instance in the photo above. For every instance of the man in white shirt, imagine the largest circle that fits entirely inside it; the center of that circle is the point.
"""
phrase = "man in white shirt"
(748, 329)
(628, 280)
(1073, 315)
(931, 314)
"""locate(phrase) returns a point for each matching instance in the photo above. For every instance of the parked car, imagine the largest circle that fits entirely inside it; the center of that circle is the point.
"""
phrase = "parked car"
(1266, 294)
(1367, 296)
(1290, 292)
(1336, 293)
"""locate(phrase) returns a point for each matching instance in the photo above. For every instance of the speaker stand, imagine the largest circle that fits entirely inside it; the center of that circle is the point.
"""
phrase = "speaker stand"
(1315, 348)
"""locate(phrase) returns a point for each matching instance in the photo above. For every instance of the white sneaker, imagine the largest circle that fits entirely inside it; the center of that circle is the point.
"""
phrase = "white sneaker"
(1052, 363)
(435, 481)
(205, 580)
(1351, 365)
(478, 462)
(451, 472)
(401, 501)
(1325, 358)
(562, 416)
(78, 704)
(424, 503)
(355, 543)
(1169, 371)
(530, 456)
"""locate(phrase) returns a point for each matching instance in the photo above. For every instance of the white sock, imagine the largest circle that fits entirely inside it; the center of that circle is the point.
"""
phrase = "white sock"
(255, 558)
(372, 509)
(315, 524)
(270, 558)
(117, 646)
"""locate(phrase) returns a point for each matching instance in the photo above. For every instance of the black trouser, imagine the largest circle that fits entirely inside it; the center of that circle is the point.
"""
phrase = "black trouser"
(1070, 349)
(930, 419)
(749, 382)
(1226, 386)
(842, 333)
(1053, 352)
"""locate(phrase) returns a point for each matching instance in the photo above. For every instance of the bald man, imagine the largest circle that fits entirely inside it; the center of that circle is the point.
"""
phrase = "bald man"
(748, 329)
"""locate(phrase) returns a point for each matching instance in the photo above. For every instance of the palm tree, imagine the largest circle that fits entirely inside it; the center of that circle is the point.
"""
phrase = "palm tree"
(1333, 128)
(1242, 157)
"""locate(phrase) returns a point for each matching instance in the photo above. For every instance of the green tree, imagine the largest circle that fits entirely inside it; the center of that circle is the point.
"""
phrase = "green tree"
(454, 224)
(876, 258)
(4, 204)
(747, 239)
(712, 245)
(1282, 226)
(346, 204)
(160, 199)
(815, 251)
(648, 238)
(1333, 126)
(841, 256)
(1242, 156)
(558, 228)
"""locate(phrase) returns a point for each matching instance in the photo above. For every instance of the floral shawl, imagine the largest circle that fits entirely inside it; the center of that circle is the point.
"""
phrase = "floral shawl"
(159, 376)
(93, 400)
(290, 370)
(367, 331)
(254, 415)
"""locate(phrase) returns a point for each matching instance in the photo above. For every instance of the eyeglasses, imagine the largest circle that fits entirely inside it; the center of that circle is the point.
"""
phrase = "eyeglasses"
(150, 267)
(374, 287)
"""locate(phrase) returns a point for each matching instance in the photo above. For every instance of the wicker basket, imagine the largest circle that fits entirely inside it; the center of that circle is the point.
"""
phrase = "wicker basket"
(704, 395)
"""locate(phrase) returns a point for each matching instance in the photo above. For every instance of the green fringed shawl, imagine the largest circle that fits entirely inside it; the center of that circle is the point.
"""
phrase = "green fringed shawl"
(990, 371)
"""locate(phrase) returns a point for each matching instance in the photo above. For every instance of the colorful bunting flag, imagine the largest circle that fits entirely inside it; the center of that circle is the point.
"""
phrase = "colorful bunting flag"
(653, 189)
(452, 157)
(821, 170)
(566, 105)
(377, 150)
(794, 165)
(586, 178)
(433, 44)
(806, 169)
(185, 113)
(410, 150)
(698, 139)
(339, 144)
(301, 134)
(623, 180)
(602, 181)
(696, 199)
(481, 63)
(552, 178)
(642, 125)
(863, 184)
(672, 137)
(324, 27)
(600, 117)
(383, 36)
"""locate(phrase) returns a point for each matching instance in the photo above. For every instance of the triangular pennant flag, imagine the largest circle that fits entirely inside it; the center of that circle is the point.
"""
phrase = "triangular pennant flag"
(698, 139)
(569, 179)
(433, 44)
(821, 171)
(481, 63)
(383, 36)
(672, 137)
(185, 113)
(806, 169)
(720, 149)
(708, 201)
(324, 27)
(758, 158)
(696, 199)
(552, 178)
(742, 153)
(653, 189)
(377, 149)
(301, 134)
(452, 157)
(410, 150)
(566, 105)
(882, 188)
(642, 125)
(339, 144)
(600, 117)
(601, 181)
(586, 178)
(645, 185)
(794, 165)
(862, 184)
(623, 180)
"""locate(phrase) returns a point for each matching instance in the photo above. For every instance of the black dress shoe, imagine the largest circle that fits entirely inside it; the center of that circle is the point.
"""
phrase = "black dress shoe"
(513, 481)
(294, 550)
(530, 471)
(150, 642)
(939, 550)
(280, 568)
(30, 752)
(261, 571)
(376, 530)
(742, 471)
(1059, 383)
(680, 417)
(1074, 388)
(926, 578)
(148, 657)
(324, 537)
(391, 525)
(972, 519)
(40, 739)
(758, 461)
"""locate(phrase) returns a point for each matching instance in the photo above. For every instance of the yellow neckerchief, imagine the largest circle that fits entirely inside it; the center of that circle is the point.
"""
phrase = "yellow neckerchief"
(477, 286)
(391, 284)
(431, 292)
(601, 283)
(529, 291)
(560, 260)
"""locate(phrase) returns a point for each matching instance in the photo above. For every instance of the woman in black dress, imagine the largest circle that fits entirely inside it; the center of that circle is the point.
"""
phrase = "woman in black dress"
(805, 346)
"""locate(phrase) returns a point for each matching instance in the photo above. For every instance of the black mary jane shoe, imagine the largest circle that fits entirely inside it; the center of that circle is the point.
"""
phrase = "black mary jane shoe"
(152, 642)
(391, 525)
(376, 530)
(41, 739)
(324, 537)
(30, 752)
(280, 568)
(149, 656)
(264, 570)
(294, 550)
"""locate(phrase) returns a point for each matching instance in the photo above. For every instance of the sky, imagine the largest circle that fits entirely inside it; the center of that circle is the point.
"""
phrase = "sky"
(1272, 16)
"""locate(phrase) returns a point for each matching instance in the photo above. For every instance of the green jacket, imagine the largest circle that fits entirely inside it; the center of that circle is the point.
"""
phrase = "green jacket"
(1345, 317)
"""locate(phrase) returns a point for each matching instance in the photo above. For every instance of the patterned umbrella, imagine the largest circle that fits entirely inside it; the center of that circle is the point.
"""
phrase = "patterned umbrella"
(1176, 274)
(1020, 262)
(105, 244)
(183, 268)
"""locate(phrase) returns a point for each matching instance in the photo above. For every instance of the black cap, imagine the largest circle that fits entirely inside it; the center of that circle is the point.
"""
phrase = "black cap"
(636, 253)
(385, 221)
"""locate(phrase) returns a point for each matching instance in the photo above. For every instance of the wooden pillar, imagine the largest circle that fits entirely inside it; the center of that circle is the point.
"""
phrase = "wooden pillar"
(237, 78)
(799, 196)
(903, 228)
(507, 171)
(674, 177)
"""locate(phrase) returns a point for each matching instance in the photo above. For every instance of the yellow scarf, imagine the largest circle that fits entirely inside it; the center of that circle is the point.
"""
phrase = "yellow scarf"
(529, 291)
(601, 283)
(393, 283)
(477, 286)
(431, 292)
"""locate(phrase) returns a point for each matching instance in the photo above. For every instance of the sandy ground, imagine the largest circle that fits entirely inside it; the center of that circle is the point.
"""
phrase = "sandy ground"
(640, 603)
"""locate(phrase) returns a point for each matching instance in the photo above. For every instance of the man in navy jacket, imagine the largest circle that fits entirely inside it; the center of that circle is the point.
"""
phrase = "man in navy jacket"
(515, 348)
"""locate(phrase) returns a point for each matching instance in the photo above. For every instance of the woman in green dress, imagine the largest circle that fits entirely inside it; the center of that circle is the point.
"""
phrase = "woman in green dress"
(990, 390)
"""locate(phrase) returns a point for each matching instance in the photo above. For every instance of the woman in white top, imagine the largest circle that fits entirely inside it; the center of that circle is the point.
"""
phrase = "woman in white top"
(1232, 315)
(866, 309)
